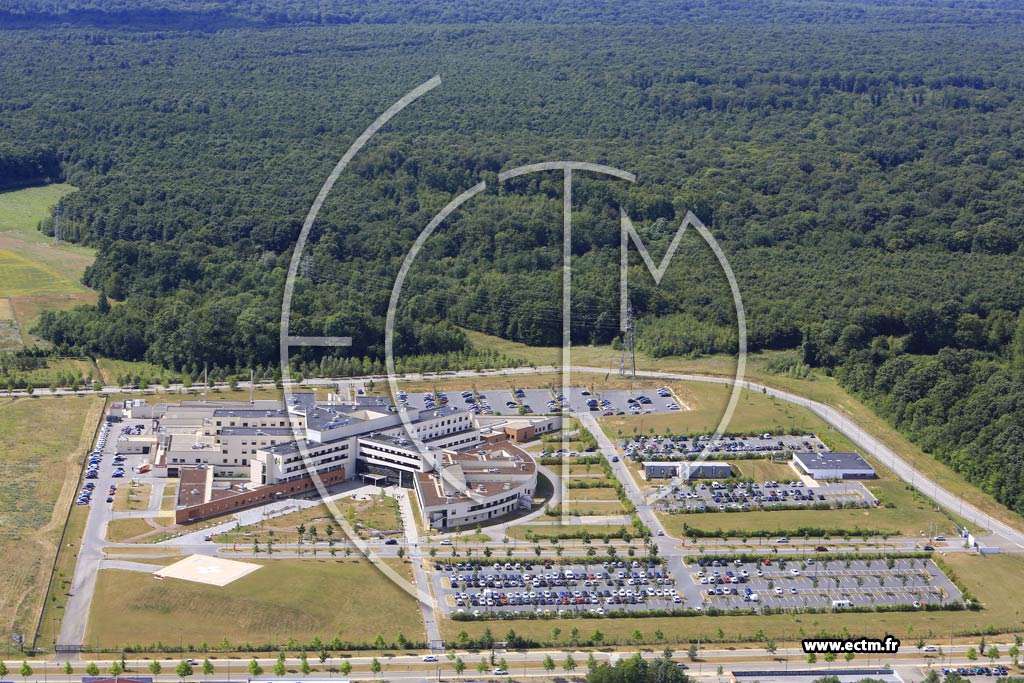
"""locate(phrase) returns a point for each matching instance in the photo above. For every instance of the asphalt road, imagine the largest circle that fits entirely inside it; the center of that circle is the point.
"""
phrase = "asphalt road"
(909, 664)
(835, 418)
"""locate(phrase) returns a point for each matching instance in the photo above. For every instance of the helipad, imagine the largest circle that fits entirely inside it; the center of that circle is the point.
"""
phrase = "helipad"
(205, 569)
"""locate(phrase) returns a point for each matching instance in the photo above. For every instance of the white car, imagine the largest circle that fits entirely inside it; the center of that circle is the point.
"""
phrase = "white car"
(430, 658)
(500, 672)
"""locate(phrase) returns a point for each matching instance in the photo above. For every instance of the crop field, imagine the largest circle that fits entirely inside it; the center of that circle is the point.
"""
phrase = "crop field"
(41, 446)
(300, 599)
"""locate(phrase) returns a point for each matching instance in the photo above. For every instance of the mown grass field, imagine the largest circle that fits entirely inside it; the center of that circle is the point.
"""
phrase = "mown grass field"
(41, 447)
(300, 599)
(817, 387)
(130, 497)
(754, 413)
(985, 577)
(593, 494)
(34, 271)
(763, 470)
(127, 528)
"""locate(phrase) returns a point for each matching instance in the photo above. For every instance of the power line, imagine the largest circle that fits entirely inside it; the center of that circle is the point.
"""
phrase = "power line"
(628, 344)
(56, 223)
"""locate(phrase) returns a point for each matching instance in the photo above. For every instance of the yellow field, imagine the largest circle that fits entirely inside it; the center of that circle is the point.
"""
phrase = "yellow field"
(39, 471)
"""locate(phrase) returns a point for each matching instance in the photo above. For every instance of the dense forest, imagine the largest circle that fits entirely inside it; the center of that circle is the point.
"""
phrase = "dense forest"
(859, 163)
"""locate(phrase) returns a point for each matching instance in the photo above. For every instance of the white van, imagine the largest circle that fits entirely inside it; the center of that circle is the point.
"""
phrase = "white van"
(842, 603)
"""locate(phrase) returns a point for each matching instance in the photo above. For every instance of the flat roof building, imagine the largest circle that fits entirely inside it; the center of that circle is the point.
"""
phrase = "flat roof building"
(827, 465)
(706, 469)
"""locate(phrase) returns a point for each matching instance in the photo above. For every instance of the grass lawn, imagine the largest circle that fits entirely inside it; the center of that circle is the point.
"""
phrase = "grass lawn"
(299, 599)
(763, 470)
(125, 529)
(591, 507)
(585, 472)
(130, 497)
(42, 442)
(170, 497)
(817, 387)
(593, 494)
(985, 577)
(379, 514)
(549, 530)
(755, 412)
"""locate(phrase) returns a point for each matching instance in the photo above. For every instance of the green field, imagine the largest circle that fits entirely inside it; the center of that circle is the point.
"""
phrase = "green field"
(35, 272)
(41, 446)
(299, 599)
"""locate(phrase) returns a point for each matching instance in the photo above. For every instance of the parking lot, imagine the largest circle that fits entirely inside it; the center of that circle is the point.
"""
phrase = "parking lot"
(833, 584)
(715, 496)
(549, 588)
(684, 447)
(548, 401)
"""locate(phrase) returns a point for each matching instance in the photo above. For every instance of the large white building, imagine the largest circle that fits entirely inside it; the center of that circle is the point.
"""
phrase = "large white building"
(245, 447)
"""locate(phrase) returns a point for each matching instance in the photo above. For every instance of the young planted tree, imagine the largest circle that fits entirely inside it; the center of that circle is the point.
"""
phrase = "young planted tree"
(183, 670)
(255, 670)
